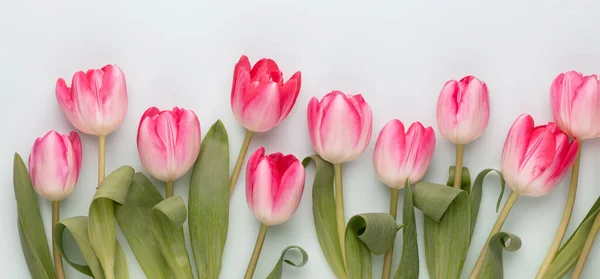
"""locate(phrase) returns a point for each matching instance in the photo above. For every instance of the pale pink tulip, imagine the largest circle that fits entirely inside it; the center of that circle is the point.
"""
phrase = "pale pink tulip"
(463, 110)
(535, 159)
(54, 165)
(400, 156)
(576, 104)
(96, 103)
(339, 126)
(259, 98)
(168, 142)
(274, 185)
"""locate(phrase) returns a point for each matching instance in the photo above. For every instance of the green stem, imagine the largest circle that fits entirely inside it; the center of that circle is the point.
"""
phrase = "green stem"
(566, 218)
(101, 158)
(240, 161)
(60, 272)
(387, 260)
(587, 247)
(499, 222)
(260, 240)
(339, 209)
(460, 150)
(169, 189)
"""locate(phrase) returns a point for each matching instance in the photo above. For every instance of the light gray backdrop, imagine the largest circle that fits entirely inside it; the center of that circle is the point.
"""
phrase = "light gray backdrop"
(178, 53)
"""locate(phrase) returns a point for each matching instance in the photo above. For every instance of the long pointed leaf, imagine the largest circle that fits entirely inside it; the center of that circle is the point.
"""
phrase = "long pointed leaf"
(31, 228)
(209, 202)
(101, 227)
(324, 214)
(409, 262)
(168, 216)
(492, 265)
(477, 191)
(569, 253)
(277, 271)
(135, 219)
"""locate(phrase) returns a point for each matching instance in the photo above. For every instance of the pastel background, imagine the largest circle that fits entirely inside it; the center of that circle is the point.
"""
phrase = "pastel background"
(398, 55)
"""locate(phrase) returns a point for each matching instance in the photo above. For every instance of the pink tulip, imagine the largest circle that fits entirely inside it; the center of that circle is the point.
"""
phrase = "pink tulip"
(96, 103)
(400, 156)
(54, 165)
(535, 159)
(463, 110)
(168, 142)
(259, 98)
(274, 185)
(339, 126)
(576, 104)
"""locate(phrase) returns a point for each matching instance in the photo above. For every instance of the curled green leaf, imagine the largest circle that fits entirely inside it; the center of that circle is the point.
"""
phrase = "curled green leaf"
(277, 271)
(365, 234)
(465, 183)
(209, 202)
(168, 216)
(492, 265)
(324, 214)
(29, 223)
(409, 262)
(434, 199)
(135, 219)
(101, 227)
(477, 190)
(569, 253)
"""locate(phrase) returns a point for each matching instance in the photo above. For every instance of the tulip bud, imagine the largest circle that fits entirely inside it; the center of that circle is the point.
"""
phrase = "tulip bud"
(576, 104)
(400, 156)
(339, 126)
(168, 142)
(54, 165)
(96, 103)
(463, 110)
(274, 185)
(259, 98)
(536, 159)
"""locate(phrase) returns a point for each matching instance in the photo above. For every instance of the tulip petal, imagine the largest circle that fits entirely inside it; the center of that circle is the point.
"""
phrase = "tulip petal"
(585, 111)
(253, 161)
(289, 193)
(187, 146)
(366, 118)
(539, 155)
(289, 94)
(65, 101)
(265, 64)
(314, 115)
(49, 166)
(564, 156)
(447, 108)
(515, 147)
(241, 67)
(261, 194)
(420, 144)
(340, 128)
(390, 151)
(263, 111)
(152, 150)
(473, 111)
(112, 95)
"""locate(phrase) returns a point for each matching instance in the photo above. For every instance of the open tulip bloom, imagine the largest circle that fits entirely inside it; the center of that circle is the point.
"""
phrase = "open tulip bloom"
(260, 100)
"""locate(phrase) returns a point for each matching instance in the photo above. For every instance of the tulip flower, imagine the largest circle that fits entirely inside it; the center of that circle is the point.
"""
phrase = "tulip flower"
(260, 100)
(95, 104)
(575, 104)
(340, 130)
(54, 165)
(400, 157)
(534, 161)
(463, 110)
(274, 185)
(168, 143)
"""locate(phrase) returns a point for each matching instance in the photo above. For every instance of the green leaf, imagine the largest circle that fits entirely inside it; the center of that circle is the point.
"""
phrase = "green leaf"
(135, 219)
(101, 227)
(168, 216)
(31, 228)
(492, 265)
(78, 228)
(365, 234)
(569, 253)
(476, 193)
(209, 202)
(278, 269)
(447, 227)
(465, 183)
(409, 262)
(324, 214)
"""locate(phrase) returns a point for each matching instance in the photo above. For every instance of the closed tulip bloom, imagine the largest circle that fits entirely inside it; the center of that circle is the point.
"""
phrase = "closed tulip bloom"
(535, 159)
(403, 155)
(168, 142)
(96, 102)
(463, 110)
(339, 126)
(260, 99)
(576, 104)
(274, 185)
(54, 165)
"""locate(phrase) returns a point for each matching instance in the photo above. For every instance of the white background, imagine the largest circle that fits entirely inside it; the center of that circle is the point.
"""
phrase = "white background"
(397, 54)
